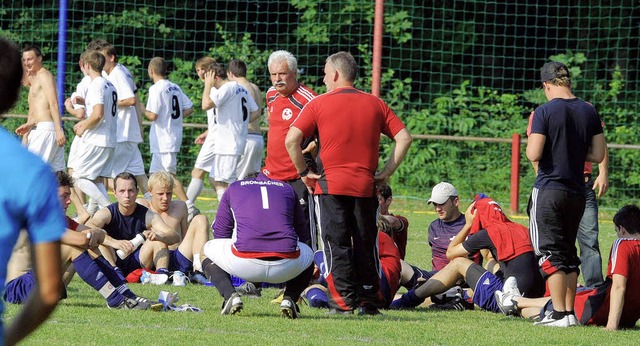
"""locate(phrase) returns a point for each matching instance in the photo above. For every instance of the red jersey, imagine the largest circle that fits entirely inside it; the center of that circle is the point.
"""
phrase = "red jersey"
(624, 260)
(72, 224)
(348, 123)
(282, 112)
(390, 263)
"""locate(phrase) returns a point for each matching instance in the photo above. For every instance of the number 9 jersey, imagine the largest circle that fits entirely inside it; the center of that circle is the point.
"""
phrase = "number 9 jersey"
(168, 101)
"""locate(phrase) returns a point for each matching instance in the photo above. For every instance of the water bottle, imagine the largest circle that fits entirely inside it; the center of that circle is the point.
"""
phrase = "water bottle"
(137, 241)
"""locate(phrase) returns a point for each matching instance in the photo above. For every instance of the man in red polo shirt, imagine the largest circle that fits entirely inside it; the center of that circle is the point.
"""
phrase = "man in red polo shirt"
(348, 123)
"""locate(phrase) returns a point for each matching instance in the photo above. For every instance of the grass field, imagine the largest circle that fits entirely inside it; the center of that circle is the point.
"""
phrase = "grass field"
(83, 319)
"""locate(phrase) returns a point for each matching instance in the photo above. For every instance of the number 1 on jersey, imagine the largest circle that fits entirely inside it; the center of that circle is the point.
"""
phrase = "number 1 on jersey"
(265, 197)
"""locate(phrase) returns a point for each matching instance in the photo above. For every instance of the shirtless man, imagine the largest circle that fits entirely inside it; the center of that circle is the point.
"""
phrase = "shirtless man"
(42, 134)
(184, 256)
(251, 160)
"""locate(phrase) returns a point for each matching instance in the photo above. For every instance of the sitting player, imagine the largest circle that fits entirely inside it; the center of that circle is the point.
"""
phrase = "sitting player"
(185, 255)
(612, 305)
(79, 248)
(124, 220)
(399, 224)
(508, 243)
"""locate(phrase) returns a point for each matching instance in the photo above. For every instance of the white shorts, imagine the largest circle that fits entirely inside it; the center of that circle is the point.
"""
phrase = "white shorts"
(127, 158)
(206, 156)
(164, 162)
(76, 146)
(251, 161)
(256, 270)
(93, 162)
(224, 168)
(42, 142)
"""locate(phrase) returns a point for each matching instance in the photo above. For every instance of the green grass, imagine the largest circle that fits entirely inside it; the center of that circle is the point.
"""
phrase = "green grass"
(83, 319)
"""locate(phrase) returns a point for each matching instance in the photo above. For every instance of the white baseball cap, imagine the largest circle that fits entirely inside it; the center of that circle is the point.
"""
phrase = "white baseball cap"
(441, 192)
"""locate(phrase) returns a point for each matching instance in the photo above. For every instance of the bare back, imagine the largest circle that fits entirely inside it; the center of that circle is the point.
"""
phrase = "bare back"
(20, 260)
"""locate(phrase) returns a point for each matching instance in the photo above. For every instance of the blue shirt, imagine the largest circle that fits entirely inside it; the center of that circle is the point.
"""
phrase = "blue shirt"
(569, 126)
(264, 214)
(28, 199)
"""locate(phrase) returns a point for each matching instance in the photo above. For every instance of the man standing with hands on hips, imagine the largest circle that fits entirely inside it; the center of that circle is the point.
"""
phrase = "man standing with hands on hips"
(348, 123)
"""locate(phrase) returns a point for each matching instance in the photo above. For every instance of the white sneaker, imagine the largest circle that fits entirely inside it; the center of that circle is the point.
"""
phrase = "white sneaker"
(506, 303)
(573, 321)
(510, 286)
(549, 321)
(154, 279)
(179, 279)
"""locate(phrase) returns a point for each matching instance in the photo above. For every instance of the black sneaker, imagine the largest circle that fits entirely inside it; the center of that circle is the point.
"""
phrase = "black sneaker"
(133, 304)
(459, 304)
(368, 311)
(338, 312)
(289, 309)
(232, 306)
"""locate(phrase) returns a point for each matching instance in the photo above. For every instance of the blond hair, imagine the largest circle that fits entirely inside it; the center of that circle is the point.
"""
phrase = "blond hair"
(160, 179)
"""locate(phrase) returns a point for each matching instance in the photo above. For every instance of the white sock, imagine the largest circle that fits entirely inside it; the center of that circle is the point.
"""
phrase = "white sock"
(197, 264)
(147, 196)
(219, 193)
(92, 190)
(193, 191)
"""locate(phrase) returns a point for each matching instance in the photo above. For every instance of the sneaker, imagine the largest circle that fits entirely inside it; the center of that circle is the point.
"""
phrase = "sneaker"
(248, 289)
(133, 304)
(199, 278)
(507, 305)
(549, 321)
(573, 321)
(510, 287)
(192, 213)
(232, 306)
(459, 304)
(447, 296)
(154, 279)
(178, 278)
(335, 311)
(368, 311)
(277, 299)
(289, 309)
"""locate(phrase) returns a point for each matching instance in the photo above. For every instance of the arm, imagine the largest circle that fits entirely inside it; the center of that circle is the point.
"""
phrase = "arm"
(292, 142)
(254, 115)
(616, 302)
(207, 102)
(535, 146)
(402, 141)
(597, 149)
(131, 101)
(44, 297)
(187, 112)
(160, 231)
(84, 237)
(49, 87)
(76, 112)
(601, 183)
(455, 248)
(90, 122)
(99, 220)
(151, 115)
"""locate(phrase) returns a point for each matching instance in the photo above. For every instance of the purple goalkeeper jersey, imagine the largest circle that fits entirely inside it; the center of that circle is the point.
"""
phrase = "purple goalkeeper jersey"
(265, 215)
(440, 235)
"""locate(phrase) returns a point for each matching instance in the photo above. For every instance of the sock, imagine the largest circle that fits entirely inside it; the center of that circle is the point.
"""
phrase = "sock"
(114, 277)
(570, 312)
(163, 271)
(92, 207)
(219, 193)
(193, 191)
(197, 264)
(558, 315)
(89, 271)
(147, 196)
(93, 191)
(220, 279)
(317, 298)
(430, 288)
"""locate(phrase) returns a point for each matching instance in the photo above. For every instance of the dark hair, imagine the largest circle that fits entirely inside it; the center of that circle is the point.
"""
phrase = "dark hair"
(97, 44)
(218, 68)
(629, 218)
(32, 48)
(10, 74)
(125, 176)
(237, 67)
(385, 191)
(64, 179)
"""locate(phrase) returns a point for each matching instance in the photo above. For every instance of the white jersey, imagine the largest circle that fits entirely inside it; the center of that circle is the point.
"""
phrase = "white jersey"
(103, 134)
(233, 105)
(128, 126)
(167, 100)
(81, 90)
